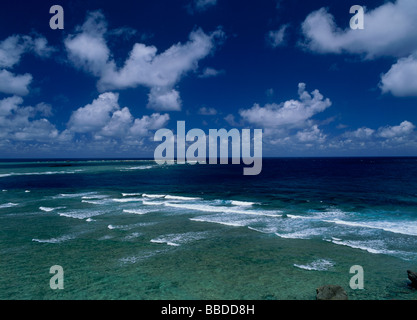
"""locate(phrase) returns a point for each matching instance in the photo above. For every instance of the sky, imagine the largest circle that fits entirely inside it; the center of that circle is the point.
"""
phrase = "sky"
(120, 70)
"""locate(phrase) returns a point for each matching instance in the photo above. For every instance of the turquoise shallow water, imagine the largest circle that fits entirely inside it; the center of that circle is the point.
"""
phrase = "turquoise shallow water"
(137, 230)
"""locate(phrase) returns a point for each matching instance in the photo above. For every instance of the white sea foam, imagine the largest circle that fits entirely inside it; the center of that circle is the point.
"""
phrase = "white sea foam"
(96, 201)
(127, 199)
(130, 194)
(129, 226)
(169, 197)
(55, 240)
(139, 167)
(292, 216)
(241, 203)
(230, 223)
(178, 239)
(318, 265)
(106, 237)
(153, 195)
(306, 233)
(140, 257)
(90, 201)
(136, 211)
(166, 242)
(222, 209)
(152, 203)
(94, 197)
(74, 195)
(401, 227)
(7, 205)
(68, 215)
(266, 230)
(48, 209)
(133, 235)
(82, 214)
(372, 246)
(318, 215)
(37, 173)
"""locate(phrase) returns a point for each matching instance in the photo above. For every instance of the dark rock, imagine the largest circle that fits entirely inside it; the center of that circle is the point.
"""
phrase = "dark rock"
(331, 292)
(413, 278)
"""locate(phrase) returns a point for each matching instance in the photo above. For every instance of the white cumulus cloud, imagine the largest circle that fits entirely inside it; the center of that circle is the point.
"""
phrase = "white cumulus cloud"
(14, 84)
(94, 116)
(292, 113)
(103, 118)
(361, 133)
(311, 135)
(162, 99)
(389, 30)
(276, 38)
(200, 5)
(401, 79)
(142, 126)
(88, 50)
(25, 123)
(11, 51)
(405, 128)
(210, 72)
(204, 111)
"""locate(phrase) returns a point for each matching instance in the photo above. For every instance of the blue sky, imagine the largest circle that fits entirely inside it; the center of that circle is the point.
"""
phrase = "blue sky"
(120, 70)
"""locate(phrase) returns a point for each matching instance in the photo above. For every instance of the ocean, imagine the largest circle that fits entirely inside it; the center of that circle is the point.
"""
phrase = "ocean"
(133, 229)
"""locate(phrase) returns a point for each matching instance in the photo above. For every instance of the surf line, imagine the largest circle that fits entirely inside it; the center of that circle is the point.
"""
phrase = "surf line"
(197, 150)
